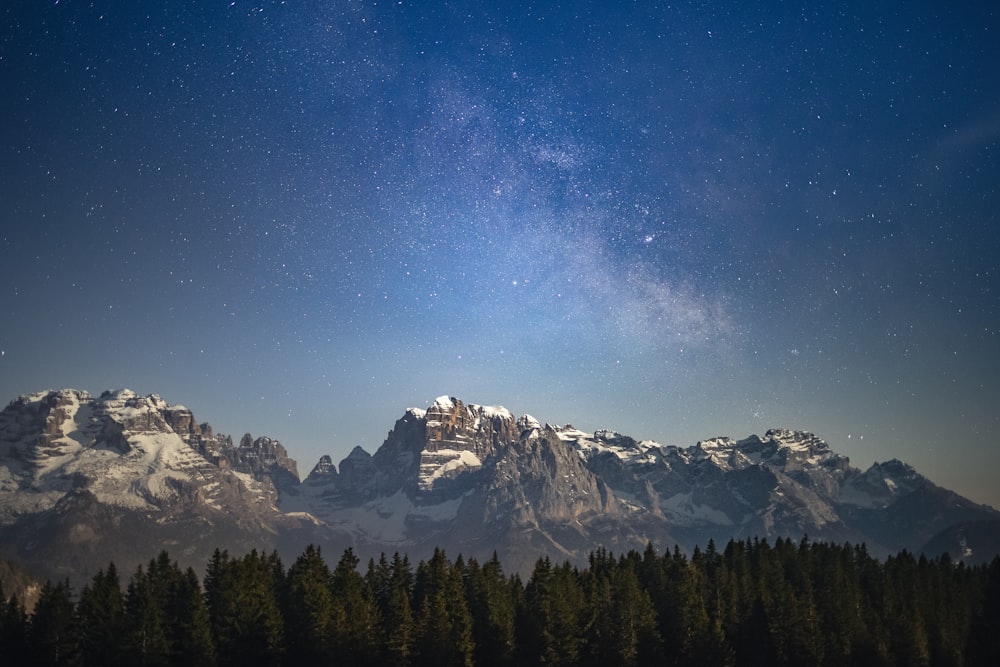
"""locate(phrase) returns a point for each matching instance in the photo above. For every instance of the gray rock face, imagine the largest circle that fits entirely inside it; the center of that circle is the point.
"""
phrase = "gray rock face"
(473, 480)
(264, 458)
(786, 483)
(86, 480)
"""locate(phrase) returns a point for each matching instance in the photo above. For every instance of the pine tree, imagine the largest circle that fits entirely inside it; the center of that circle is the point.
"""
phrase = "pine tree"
(146, 642)
(52, 630)
(390, 584)
(907, 628)
(397, 615)
(665, 576)
(190, 630)
(357, 620)
(870, 643)
(491, 602)
(13, 630)
(101, 617)
(983, 645)
(443, 622)
(377, 577)
(946, 612)
(622, 627)
(242, 599)
(737, 595)
(791, 615)
(310, 615)
(837, 600)
(550, 620)
(702, 639)
(166, 620)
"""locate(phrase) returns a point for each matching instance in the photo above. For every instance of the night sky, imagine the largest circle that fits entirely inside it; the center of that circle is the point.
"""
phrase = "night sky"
(675, 220)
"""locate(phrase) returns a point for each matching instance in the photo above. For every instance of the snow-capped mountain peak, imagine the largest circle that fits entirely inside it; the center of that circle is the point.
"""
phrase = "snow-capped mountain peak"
(467, 477)
(130, 451)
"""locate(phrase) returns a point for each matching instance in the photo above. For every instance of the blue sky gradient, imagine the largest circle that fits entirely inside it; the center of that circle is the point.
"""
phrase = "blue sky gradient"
(678, 221)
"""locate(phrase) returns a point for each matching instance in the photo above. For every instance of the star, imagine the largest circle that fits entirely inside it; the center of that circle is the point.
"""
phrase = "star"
(660, 217)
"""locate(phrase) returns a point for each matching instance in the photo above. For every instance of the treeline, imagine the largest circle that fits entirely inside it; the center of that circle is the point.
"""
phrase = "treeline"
(751, 604)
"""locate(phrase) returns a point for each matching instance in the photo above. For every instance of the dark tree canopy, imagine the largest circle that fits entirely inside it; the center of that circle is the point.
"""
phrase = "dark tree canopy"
(752, 603)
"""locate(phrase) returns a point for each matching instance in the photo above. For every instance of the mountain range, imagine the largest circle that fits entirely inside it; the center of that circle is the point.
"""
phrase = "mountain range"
(85, 480)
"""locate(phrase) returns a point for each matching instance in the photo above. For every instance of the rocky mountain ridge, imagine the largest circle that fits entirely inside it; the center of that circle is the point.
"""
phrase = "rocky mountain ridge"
(85, 479)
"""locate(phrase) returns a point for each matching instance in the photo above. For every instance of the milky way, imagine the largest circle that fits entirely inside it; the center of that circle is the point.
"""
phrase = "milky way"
(678, 221)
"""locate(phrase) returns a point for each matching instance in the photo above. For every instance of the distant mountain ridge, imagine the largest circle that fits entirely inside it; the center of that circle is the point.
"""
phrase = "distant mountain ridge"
(85, 480)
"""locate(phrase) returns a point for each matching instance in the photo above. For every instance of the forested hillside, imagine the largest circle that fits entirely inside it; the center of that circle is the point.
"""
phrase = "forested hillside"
(752, 603)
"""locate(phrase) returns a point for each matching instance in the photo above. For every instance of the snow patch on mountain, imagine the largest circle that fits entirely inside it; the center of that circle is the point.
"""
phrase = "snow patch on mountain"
(454, 475)
(683, 507)
(880, 485)
(528, 423)
(444, 463)
(493, 411)
(611, 442)
(388, 519)
(146, 472)
(717, 450)
(118, 447)
(444, 402)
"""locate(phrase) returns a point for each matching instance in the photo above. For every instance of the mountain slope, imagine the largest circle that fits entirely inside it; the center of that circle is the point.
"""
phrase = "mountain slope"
(472, 479)
(85, 480)
(786, 483)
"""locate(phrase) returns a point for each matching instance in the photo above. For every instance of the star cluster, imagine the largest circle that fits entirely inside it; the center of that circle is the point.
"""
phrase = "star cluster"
(675, 220)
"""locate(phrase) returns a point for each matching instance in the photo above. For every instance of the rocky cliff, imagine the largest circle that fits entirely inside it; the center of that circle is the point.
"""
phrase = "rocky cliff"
(85, 480)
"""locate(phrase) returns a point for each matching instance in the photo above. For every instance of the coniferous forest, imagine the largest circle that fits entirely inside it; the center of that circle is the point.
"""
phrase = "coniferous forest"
(753, 603)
